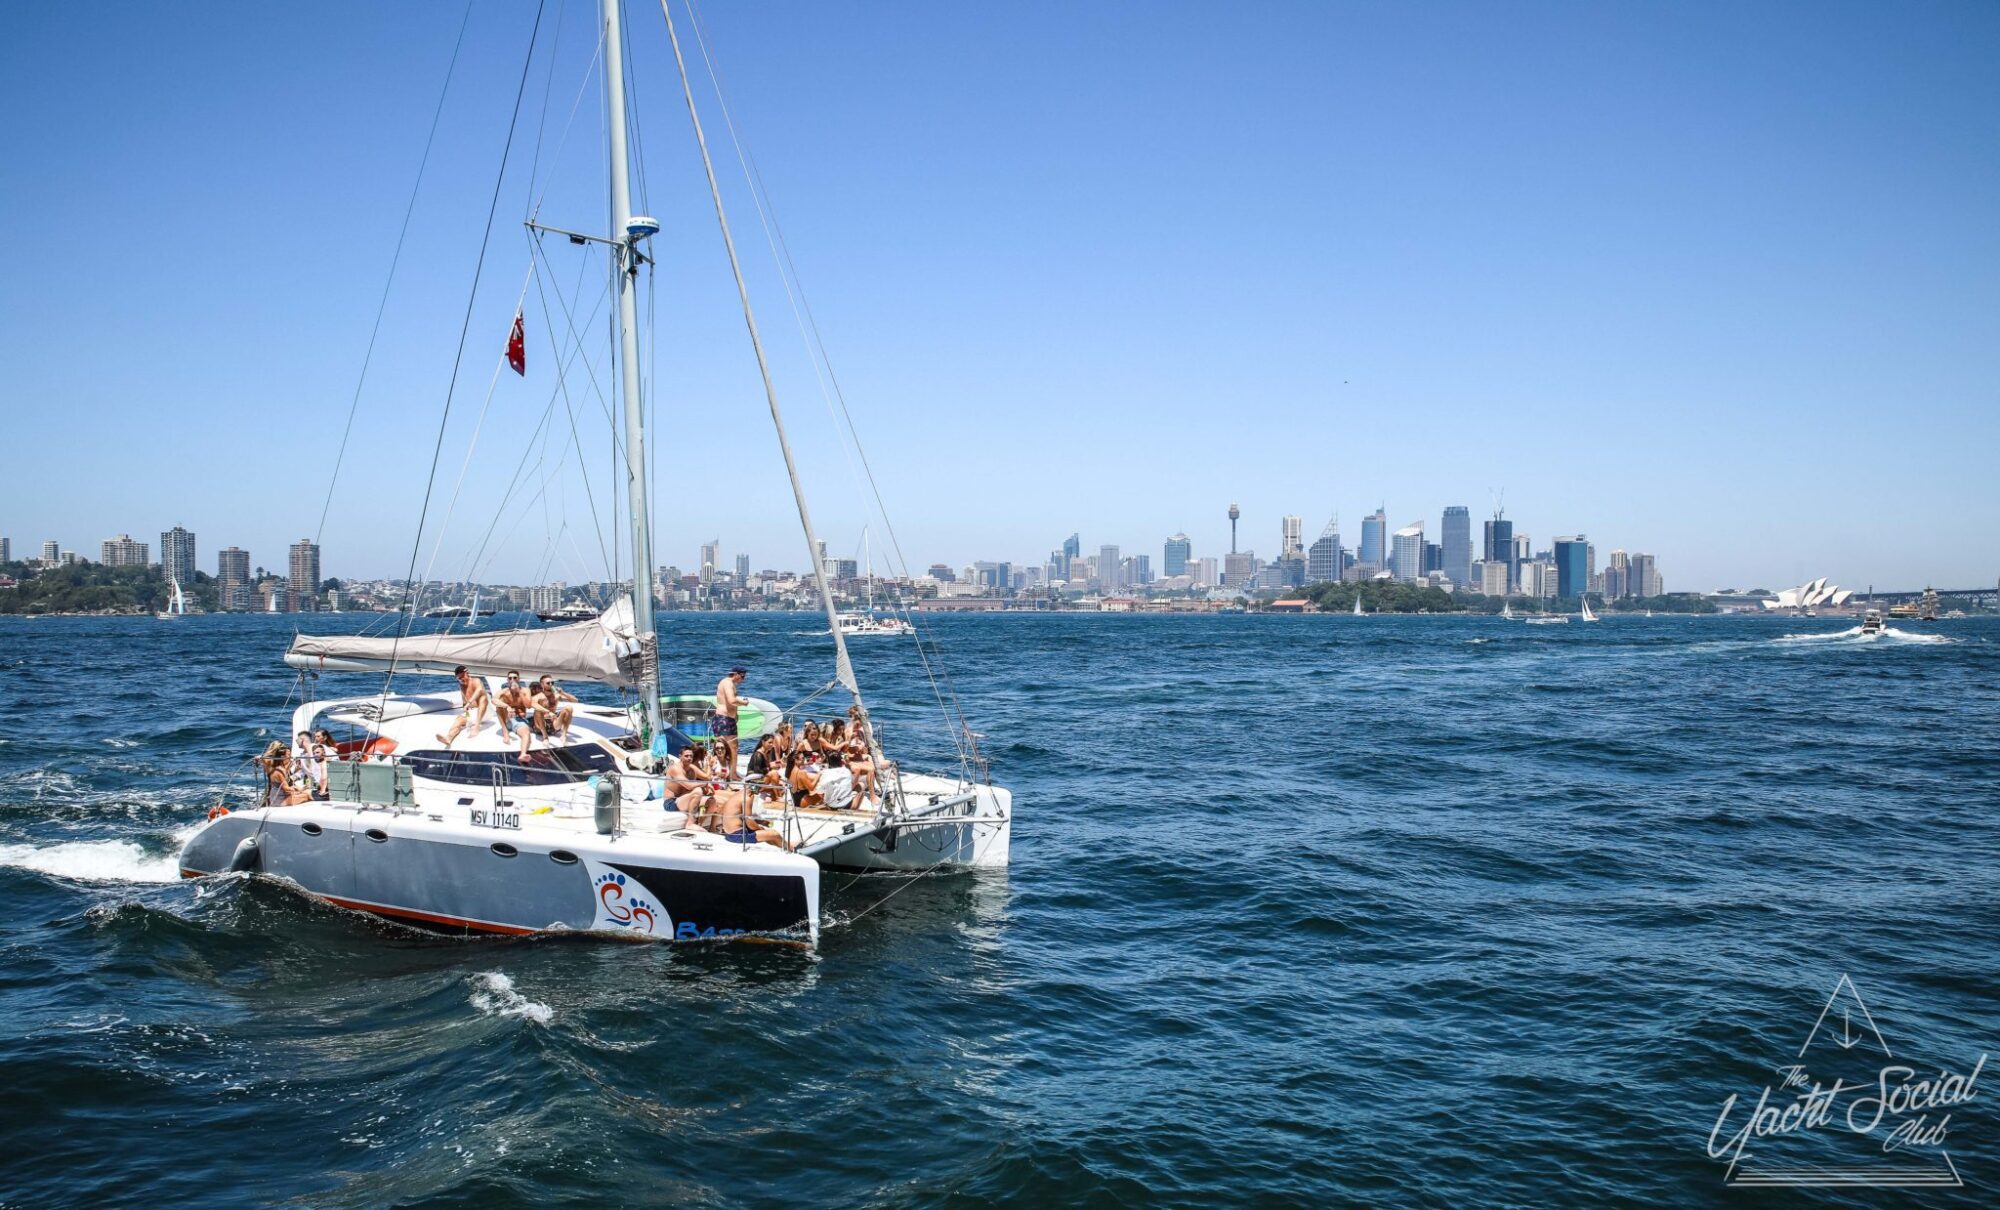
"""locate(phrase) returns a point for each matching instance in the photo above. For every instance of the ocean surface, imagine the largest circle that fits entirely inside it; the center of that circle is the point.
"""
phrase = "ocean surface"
(1303, 910)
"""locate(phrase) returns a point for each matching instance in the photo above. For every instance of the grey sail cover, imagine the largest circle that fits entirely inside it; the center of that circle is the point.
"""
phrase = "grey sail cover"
(603, 649)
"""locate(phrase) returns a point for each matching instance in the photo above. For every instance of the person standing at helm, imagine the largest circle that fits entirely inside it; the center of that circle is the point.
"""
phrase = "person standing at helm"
(723, 723)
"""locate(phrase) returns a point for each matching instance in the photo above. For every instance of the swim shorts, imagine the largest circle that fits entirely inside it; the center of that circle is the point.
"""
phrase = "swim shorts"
(723, 726)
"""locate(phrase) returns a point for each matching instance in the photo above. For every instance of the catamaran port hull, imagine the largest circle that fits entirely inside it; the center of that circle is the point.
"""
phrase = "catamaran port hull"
(409, 867)
(954, 827)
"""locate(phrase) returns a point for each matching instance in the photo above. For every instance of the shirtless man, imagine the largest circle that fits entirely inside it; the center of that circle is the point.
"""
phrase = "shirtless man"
(515, 704)
(727, 703)
(475, 700)
(554, 717)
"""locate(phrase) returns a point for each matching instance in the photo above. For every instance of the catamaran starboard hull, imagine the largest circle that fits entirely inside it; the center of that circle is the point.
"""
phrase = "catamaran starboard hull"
(460, 879)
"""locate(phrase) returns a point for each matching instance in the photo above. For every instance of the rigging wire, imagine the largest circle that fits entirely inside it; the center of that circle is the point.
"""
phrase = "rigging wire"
(382, 307)
(965, 740)
(458, 358)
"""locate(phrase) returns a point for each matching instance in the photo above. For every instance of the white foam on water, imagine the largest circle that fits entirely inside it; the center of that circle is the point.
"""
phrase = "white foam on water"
(93, 861)
(115, 742)
(1853, 634)
(493, 994)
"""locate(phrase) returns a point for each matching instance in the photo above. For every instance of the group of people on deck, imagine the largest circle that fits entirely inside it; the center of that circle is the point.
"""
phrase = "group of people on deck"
(829, 765)
(541, 709)
(295, 774)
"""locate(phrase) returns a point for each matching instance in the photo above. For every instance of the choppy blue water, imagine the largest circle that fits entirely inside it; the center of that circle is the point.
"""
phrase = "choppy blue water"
(1440, 910)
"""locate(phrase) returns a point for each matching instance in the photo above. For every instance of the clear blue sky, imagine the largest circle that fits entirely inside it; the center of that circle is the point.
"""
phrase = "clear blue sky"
(1718, 282)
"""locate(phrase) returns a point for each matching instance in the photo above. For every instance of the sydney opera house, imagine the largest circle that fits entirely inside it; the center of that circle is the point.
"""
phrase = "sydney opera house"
(1818, 594)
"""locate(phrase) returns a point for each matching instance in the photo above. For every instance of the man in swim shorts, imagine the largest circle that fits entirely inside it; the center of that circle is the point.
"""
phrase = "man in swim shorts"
(723, 721)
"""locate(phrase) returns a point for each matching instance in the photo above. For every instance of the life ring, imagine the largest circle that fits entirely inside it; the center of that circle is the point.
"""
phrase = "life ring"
(217, 811)
(381, 745)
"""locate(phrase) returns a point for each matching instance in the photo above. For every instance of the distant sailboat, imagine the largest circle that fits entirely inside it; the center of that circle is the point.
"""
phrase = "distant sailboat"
(1507, 610)
(1584, 615)
(1357, 604)
(177, 607)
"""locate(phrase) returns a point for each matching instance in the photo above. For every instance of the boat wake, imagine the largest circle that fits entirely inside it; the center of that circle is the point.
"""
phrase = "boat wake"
(93, 861)
(1854, 635)
(493, 994)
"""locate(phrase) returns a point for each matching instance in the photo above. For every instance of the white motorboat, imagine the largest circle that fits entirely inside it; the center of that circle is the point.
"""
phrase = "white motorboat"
(575, 611)
(865, 624)
(1872, 622)
(474, 833)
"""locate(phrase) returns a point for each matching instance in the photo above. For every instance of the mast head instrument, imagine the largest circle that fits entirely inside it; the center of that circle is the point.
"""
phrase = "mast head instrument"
(639, 226)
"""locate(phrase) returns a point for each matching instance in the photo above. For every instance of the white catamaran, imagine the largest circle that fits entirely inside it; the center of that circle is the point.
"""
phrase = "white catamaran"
(579, 832)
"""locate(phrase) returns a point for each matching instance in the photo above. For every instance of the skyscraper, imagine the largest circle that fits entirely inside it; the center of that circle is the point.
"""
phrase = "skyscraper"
(1291, 544)
(305, 575)
(177, 556)
(1142, 569)
(1500, 547)
(1572, 566)
(1375, 538)
(51, 552)
(1644, 577)
(232, 573)
(711, 555)
(1234, 512)
(1238, 568)
(6, 550)
(1616, 581)
(1179, 549)
(1108, 569)
(1406, 559)
(122, 551)
(1457, 545)
(1323, 560)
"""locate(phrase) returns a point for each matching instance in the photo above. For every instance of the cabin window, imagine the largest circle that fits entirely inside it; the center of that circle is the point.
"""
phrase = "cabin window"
(562, 857)
(544, 766)
(502, 849)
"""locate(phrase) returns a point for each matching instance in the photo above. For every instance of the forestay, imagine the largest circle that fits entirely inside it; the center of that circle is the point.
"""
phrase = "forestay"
(605, 649)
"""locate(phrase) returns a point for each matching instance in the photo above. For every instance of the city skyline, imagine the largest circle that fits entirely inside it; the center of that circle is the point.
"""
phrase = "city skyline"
(1682, 323)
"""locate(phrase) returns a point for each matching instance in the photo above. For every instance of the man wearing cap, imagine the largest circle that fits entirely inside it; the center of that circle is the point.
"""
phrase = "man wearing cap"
(727, 702)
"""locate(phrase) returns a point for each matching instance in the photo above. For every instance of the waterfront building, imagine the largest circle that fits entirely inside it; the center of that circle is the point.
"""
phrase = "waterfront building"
(1500, 546)
(1457, 544)
(1407, 555)
(1616, 581)
(232, 574)
(1176, 556)
(942, 573)
(1323, 560)
(50, 554)
(1239, 568)
(1523, 550)
(1206, 571)
(1108, 567)
(711, 555)
(305, 575)
(1644, 577)
(177, 556)
(1072, 546)
(1493, 577)
(122, 551)
(742, 570)
(1142, 569)
(1375, 537)
(1572, 558)
(850, 569)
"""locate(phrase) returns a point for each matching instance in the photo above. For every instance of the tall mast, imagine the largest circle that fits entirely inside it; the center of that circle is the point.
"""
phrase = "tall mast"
(629, 233)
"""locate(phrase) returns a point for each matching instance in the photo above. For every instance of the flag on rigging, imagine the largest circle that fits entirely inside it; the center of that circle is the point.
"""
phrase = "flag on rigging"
(517, 347)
